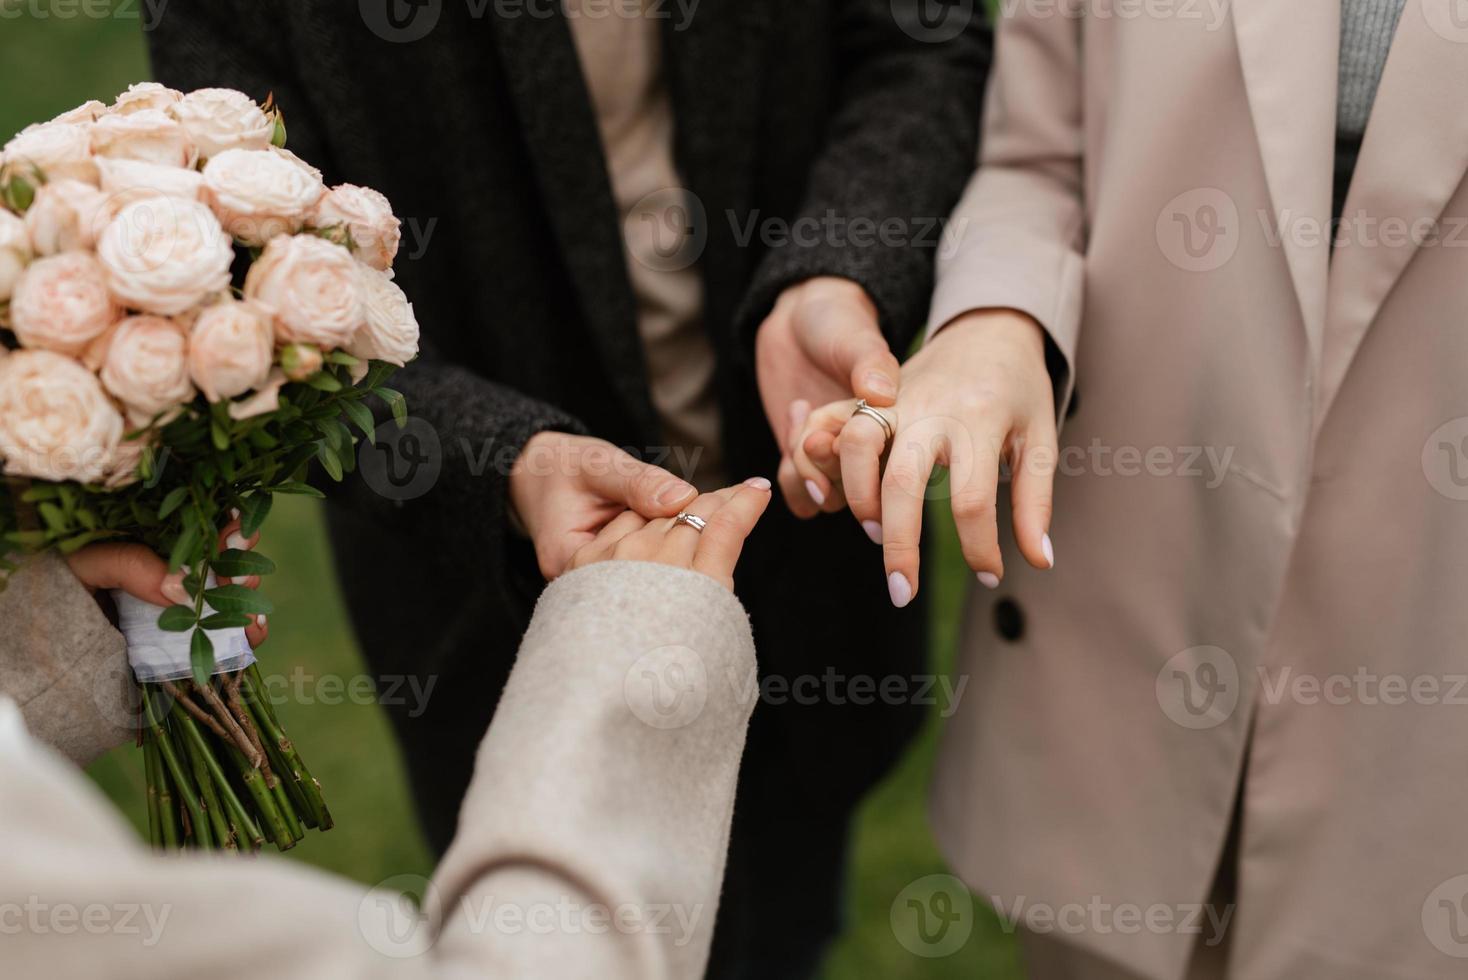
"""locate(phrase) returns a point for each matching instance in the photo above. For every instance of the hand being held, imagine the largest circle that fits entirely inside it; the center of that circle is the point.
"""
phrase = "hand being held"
(822, 342)
(731, 515)
(565, 488)
(977, 395)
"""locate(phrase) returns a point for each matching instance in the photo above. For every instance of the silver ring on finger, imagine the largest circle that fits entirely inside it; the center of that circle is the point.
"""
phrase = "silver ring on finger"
(862, 408)
(692, 520)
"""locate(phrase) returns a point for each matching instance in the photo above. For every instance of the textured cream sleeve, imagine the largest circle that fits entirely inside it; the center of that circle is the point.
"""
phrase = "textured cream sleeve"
(592, 841)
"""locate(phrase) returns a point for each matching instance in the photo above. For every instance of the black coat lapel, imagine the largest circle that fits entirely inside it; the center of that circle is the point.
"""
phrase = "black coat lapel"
(558, 122)
(715, 69)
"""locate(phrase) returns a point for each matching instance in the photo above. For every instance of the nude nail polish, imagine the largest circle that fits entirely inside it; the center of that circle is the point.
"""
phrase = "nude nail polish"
(1048, 549)
(874, 531)
(173, 590)
(237, 541)
(758, 483)
(900, 589)
(989, 580)
(815, 492)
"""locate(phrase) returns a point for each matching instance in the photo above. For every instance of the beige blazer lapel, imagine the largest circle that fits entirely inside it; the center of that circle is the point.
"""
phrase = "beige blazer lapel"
(1290, 54)
(1413, 158)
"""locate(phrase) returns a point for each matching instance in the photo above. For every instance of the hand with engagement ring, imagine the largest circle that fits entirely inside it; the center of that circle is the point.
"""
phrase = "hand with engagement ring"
(708, 536)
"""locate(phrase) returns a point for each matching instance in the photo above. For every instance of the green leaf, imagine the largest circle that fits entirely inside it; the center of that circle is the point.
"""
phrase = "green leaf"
(397, 403)
(80, 541)
(173, 501)
(343, 358)
(241, 564)
(227, 621)
(329, 461)
(28, 539)
(303, 489)
(54, 517)
(253, 511)
(177, 619)
(39, 492)
(324, 381)
(183, 548)
(201, 657)
(218, 436)
(238, 599)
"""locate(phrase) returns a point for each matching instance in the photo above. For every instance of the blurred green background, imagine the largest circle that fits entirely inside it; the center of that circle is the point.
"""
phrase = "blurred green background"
(49, 64)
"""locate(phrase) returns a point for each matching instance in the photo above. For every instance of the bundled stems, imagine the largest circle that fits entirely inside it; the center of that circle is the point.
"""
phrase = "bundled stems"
(221, 772)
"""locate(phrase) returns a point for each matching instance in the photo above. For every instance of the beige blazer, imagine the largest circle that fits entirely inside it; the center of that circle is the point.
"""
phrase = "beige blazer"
(1263, 499)
(592, 841)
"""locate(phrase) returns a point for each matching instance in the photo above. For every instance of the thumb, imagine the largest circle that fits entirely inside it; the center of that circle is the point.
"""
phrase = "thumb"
(841, 334)
(649, 490)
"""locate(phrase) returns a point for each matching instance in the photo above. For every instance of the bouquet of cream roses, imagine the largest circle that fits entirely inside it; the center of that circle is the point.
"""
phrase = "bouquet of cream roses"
(189, 319)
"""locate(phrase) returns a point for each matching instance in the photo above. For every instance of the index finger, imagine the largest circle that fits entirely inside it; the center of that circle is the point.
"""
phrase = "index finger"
(722, 541)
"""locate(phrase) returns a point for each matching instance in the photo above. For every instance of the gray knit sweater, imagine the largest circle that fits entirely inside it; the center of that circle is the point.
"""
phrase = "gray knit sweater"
(1367, 27)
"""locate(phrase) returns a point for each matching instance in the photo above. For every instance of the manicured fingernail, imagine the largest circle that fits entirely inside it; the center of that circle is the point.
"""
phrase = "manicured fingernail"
(674, 492)
(758, 483)
(1048, 549)
(989, 580)
(173, 590)
(238, 542)
(881, 385)
(874, 531)
(234, 513)
(900, 589)
(815, 492)
(260, 621)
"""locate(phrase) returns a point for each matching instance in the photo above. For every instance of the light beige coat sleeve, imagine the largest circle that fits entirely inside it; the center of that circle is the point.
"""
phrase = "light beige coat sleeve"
(592, 841)
(1015, 239)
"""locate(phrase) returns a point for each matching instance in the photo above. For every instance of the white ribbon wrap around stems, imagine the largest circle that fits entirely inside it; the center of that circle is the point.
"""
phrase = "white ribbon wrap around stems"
(157, 655)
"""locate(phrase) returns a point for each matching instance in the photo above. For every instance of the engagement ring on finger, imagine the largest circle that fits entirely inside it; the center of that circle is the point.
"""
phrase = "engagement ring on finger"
(692, 520)
(862, 408)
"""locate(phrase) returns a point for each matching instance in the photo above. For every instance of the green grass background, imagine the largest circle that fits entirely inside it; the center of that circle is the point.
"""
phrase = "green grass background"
(49, 64)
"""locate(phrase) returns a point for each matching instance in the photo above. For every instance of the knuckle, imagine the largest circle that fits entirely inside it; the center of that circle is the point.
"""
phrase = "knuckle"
(973, 507)
(905, 477)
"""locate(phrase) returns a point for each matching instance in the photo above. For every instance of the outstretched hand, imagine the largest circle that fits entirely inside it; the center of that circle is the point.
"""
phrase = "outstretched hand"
(976, 397)
(730, 516)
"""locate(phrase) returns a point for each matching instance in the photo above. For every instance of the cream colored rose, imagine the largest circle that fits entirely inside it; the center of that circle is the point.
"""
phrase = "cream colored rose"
(390, 332)
(122, 468)
(165, 254)
(219, 119)
(149, 135)
(368, 219)
(231, 349)
(15, 252)
(147, 366)
(265, 400)
(311, 289)
(61, 303)
(127, 177)
(88, 112)
(56, 422)
(65, 217)
(145, 95)
(258, 194)
(60, 150)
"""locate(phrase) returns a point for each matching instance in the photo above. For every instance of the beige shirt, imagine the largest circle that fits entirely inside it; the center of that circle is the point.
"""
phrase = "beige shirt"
(621, 57)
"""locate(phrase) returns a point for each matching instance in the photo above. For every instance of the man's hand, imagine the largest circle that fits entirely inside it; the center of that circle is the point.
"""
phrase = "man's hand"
(566, 488)
(820, 344)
